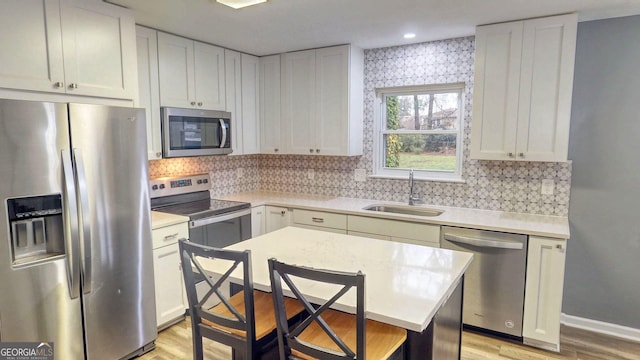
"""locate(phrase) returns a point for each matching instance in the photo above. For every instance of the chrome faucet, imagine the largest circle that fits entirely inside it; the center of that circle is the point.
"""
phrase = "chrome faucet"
(413, 198)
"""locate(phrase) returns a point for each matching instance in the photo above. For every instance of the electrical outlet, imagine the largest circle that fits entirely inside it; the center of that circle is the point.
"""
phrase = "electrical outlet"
(239, 172)
(311, 174)
(360, 175)
(548, 185)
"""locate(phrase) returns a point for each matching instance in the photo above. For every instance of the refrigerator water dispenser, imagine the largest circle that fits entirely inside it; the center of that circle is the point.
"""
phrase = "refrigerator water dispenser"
(36, 226)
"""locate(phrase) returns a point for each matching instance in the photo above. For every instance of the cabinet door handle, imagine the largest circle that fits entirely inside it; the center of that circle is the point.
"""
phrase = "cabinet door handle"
(158, 154)
(276, 149)
(311, 151)
(73, 86)
(200, 103)
(193, 103)
(318, 151)
(317, 220)
(510, 154)
(282, 212)
(58, 84)
(169, 237)
(521, 155)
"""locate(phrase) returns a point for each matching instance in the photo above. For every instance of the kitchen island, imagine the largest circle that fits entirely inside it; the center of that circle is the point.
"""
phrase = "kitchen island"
(414, 287)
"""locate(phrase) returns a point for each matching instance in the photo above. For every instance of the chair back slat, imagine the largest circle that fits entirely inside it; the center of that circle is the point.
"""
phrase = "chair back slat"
(288, 337)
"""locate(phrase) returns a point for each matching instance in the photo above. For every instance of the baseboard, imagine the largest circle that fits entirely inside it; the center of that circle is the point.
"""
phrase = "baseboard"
(601, 327)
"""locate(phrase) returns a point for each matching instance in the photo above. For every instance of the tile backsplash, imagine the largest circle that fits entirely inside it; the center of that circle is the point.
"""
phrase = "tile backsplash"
(495, 185)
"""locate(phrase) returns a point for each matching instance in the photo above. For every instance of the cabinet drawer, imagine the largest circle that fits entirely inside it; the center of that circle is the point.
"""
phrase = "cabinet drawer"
(319, 218)
(169, 234)
(321, 228)
(395, 229)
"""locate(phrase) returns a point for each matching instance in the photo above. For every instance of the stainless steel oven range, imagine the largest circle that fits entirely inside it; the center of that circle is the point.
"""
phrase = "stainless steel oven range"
(216, 223)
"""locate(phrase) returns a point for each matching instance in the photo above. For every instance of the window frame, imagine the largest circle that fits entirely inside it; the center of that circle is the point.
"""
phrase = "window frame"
(380, 130)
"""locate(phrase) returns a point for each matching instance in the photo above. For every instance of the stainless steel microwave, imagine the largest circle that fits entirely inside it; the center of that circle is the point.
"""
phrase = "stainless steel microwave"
(194, 132)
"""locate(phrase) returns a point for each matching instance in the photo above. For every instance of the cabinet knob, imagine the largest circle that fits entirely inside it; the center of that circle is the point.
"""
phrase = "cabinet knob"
(193, 103)
(58, 84)
(559, 246)
(158, 154)
(276, 149)
(510, 154)
(521, 155)
(200, 103)
(311, 150)
(282, 212)
(318, 151)
(73, 86)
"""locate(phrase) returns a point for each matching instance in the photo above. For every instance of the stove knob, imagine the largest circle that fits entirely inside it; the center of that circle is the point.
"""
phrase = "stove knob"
(205, 181)
(154, 187)
(161, 186)
(199, 182)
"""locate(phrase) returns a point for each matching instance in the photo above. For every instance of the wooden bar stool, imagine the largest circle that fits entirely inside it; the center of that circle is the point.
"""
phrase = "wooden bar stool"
(327, 333)
(245, 321)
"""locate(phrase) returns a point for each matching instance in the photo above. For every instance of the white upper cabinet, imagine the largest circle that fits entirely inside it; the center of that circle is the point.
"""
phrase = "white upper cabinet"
(250, 104)
(270, 140)
(322, 101)
(242, 77)
(31, 59)
(191, 73)
(99, 48)
(233, 89)
(149, 95)
(70, 46)
(522, 89)
(298, 101)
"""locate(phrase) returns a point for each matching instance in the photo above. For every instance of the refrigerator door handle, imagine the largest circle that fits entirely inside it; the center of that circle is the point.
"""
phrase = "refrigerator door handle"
(72, 239)
(86, 224)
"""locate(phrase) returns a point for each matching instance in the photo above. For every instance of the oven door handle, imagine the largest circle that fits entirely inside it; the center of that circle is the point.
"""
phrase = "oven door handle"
(486, 243)
(217, 219)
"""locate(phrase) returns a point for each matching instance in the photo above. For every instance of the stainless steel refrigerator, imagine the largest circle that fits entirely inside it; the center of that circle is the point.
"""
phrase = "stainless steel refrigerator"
(75, 235)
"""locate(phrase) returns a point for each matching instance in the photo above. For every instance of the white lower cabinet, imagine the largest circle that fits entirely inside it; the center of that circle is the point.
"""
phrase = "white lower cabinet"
(543, 292)
(320, 220)
(276, 218)
(394, 230)
(169, 283)
(258, 220)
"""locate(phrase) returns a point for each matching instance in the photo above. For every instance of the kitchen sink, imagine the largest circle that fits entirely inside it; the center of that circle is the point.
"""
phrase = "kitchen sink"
(406, 210)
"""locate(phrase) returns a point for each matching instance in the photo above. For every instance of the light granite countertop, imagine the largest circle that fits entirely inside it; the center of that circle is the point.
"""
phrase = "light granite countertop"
(405, 284)
(529, 224)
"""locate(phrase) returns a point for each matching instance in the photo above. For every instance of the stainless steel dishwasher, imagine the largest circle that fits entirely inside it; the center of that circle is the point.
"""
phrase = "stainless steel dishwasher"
(494, 283)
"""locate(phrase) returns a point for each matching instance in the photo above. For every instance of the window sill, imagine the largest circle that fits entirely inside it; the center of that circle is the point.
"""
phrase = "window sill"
(418, 177)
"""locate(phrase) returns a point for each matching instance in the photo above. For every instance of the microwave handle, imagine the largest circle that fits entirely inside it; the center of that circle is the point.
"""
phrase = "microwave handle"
(224, 133)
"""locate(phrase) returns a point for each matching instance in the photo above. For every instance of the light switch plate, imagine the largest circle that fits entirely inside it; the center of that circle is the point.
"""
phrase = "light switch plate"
(311, 174)
(360, 175)
(548, 185)
(239, 172)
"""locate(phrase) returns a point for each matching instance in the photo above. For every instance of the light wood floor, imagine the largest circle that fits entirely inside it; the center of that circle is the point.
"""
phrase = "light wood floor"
(575, 344)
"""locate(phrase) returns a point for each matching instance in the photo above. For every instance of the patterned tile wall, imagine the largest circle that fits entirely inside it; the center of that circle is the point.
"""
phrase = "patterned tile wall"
(495, 185)
(222, 169)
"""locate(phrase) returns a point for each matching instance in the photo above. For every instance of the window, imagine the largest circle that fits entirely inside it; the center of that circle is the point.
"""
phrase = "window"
(419, 128)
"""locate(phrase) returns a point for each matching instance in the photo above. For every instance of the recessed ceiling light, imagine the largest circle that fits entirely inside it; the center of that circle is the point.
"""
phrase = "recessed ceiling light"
(409, 35)
(237, 4)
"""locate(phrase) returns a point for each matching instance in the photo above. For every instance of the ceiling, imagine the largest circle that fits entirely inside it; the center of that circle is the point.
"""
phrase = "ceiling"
(286, 25)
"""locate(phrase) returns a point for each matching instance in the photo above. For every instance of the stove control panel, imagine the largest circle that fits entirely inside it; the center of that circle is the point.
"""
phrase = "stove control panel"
(176, 185)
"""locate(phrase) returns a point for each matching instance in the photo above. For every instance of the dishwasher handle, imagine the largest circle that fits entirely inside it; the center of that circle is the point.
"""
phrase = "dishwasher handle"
(485, 243)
